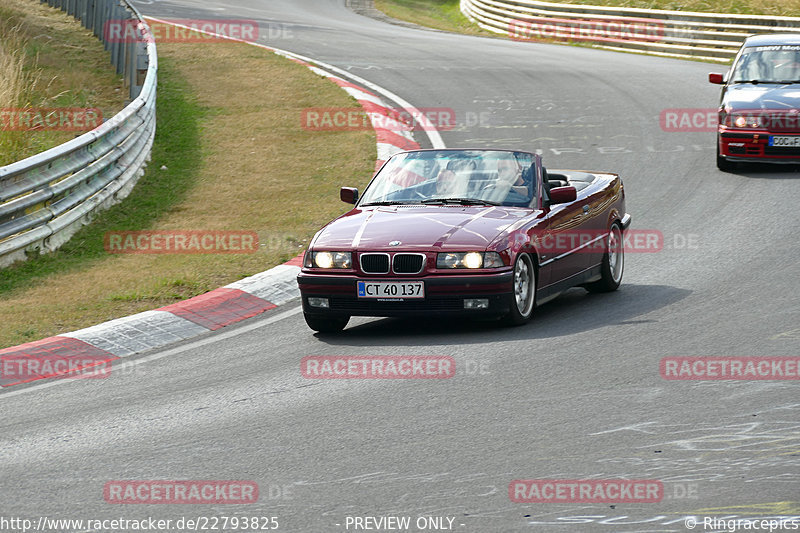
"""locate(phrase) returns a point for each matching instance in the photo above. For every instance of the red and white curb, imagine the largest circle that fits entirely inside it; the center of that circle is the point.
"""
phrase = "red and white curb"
(97, 346)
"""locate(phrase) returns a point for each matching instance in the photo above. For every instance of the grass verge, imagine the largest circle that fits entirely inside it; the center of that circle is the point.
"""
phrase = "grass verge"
(47, 59)
(230, 154)
(438, 14)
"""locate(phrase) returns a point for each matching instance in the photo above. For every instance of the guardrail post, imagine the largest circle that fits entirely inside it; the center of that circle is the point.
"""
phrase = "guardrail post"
(85, 14)
(140, 67)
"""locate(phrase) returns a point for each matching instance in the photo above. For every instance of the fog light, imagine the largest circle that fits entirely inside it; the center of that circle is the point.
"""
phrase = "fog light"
(476, 303)
(318, 302)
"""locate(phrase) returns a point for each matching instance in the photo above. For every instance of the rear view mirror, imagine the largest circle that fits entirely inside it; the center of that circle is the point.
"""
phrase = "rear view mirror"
(715, 78)
(563, 195)
(348, 195)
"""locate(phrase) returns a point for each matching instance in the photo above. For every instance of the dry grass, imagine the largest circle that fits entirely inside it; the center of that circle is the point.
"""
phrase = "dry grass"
(47, 59)
(260, 171)
(12, 64)
(16, 84)
(786, 8)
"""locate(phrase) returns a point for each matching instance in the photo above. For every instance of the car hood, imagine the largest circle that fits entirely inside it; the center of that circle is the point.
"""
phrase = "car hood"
(418, 228)
(750, 97)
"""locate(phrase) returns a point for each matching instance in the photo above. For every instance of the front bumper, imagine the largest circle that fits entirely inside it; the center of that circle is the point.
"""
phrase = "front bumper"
(444, 295)
(753, 146)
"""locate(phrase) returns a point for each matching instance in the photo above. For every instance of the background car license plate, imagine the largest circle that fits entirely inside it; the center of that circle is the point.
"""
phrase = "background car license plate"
(391, 289)
(784, 140)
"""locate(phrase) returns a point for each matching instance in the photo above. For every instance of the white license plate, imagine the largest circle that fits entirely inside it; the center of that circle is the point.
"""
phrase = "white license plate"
(790, 141)
(391, 289)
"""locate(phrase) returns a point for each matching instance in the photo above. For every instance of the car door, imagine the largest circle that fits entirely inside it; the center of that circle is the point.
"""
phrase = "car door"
(565, 225)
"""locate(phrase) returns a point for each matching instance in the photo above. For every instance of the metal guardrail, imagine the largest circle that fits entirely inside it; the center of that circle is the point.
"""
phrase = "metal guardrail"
(46, 198)
(706, 36)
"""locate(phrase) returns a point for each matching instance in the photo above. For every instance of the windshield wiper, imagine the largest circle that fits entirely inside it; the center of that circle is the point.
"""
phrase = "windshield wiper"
(389, 202)
(459, 201)
(756, 82)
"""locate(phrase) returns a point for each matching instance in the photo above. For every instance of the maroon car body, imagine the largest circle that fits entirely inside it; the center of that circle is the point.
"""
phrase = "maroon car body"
(408, 250)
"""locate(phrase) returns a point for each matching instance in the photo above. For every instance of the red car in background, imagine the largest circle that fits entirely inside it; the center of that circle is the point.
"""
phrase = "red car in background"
(473, 233)
(758, 112)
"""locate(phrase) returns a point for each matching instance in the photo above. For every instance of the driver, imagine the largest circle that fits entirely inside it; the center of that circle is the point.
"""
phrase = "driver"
(510, 185)
(454, 178)
(508, 171)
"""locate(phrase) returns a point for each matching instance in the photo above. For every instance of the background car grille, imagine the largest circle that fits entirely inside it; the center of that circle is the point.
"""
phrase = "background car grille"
(374, 263)
(407, 263)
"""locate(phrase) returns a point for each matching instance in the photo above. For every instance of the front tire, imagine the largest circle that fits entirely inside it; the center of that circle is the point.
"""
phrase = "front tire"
(326, 324)
(523, 288)
(613, 262)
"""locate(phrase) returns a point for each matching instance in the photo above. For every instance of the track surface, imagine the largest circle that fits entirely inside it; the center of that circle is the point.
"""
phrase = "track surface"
(575, 394)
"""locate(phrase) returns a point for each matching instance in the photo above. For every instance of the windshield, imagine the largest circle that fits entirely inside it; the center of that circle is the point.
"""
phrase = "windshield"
(468, 177)
(768, 64)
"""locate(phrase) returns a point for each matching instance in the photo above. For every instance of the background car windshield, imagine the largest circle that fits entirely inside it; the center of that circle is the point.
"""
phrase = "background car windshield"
(779, 63)
(494, 177)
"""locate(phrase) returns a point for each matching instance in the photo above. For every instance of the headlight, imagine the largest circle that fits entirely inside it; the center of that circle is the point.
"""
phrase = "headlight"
(748, 121)
(469, 260)
(329, 260)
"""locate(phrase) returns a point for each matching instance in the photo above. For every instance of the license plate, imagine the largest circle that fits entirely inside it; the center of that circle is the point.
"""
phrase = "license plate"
(391, 289)
(790, 141)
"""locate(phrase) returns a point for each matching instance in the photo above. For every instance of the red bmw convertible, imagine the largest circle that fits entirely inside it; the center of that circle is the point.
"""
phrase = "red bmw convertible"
(476, 233)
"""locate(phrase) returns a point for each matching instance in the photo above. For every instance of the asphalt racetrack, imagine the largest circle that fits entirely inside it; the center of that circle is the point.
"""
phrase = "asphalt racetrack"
(574, 395)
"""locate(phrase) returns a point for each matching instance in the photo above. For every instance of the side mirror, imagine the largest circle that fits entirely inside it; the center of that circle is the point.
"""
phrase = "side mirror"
(715, 78)
(348, 195)
(563, 195)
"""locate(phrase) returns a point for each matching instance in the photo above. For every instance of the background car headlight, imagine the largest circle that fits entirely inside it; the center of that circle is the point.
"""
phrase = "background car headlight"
(331, 260)
(748, 121)
(468, 260)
